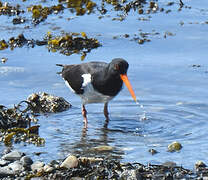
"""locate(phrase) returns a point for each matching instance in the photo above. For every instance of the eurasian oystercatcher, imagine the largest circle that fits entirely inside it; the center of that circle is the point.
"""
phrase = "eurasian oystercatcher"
(97, 82)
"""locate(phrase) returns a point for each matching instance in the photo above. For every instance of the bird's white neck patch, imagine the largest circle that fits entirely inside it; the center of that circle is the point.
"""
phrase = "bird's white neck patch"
(86, 79)
(90, 94)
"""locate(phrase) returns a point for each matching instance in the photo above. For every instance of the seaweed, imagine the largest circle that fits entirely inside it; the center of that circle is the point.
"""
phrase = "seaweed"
(67, 43)
(70, 43)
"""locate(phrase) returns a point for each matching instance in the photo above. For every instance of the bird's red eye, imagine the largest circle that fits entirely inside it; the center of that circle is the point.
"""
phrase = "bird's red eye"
(116, 67)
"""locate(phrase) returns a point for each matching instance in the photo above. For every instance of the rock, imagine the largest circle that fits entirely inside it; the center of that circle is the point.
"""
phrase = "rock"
(4, 59)
(37, 166)
(7, 150)
(130, 175)
(174, 146)
(47, 103)
(16, 166)
(70, 162)
(26, 161)
(18, 20)
(48, 168)
(6, 171)
(153, 151)
(103, 148)
(90, 159)
(12, 156)
(76, 178)
(199, 164)
(3, 162)
(169, 164)
(55, 164)
(140, 11)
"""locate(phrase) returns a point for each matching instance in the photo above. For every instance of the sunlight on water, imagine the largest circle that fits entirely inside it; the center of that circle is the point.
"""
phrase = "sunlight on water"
(143, 116)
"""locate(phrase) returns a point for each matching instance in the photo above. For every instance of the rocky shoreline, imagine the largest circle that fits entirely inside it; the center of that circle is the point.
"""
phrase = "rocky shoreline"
(18, 165)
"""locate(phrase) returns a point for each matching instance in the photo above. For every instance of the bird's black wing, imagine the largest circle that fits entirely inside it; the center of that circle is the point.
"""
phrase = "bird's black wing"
(71, 74)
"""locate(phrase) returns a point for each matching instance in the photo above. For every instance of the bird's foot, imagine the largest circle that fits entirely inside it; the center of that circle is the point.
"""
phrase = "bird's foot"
(84, 113)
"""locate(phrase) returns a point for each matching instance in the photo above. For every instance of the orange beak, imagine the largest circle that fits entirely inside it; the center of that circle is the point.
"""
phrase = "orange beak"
(124, 78)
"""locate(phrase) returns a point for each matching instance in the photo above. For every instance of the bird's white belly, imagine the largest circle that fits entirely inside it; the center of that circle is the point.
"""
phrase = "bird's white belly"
(90, 95)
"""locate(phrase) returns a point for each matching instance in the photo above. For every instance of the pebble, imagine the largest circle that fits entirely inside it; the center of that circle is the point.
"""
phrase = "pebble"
(90, 159)
(130, 175)
(174, 146)
(48, 168)
(26, 161)
(153, 151)
(103, 148)
(16, 167)
(199, 164)
(3, 162)
(169, 164)
(70, 162)
(37, 166)
(6, 171)
(3, 59)
(12, 156)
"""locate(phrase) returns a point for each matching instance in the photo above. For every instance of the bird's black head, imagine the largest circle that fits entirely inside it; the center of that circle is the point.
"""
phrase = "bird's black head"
(118, 66)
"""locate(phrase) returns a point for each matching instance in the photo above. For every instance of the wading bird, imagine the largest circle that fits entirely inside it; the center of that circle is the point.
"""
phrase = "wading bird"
(97, 82)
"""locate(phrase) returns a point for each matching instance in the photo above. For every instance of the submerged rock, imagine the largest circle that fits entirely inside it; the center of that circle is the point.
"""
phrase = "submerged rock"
(153, 151)
(47, 103)
(103, 148)
(174, 146)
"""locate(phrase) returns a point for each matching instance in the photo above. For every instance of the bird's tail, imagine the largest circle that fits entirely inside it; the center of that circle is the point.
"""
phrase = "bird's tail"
(62, 65)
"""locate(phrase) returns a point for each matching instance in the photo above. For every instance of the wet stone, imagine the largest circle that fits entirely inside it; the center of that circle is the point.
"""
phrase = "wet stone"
(153, 151)
(130, 175)
(169, 164)
(12, 156)
(70, 162)
(6, 171)
(16, 166)
(3, 162)
(199, 164)
(18, 20)
(47, 103)
(48, 168)
(174, 146)
(103, 148)
(37, 166)
(26, 161)
(4, 60)
(90, 160)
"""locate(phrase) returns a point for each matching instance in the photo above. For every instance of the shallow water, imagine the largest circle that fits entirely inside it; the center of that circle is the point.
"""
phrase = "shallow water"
(172, 92)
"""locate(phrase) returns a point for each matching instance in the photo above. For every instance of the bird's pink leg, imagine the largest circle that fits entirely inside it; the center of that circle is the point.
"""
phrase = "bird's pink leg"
(106, 110)
(106, 114)
(84, 113)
